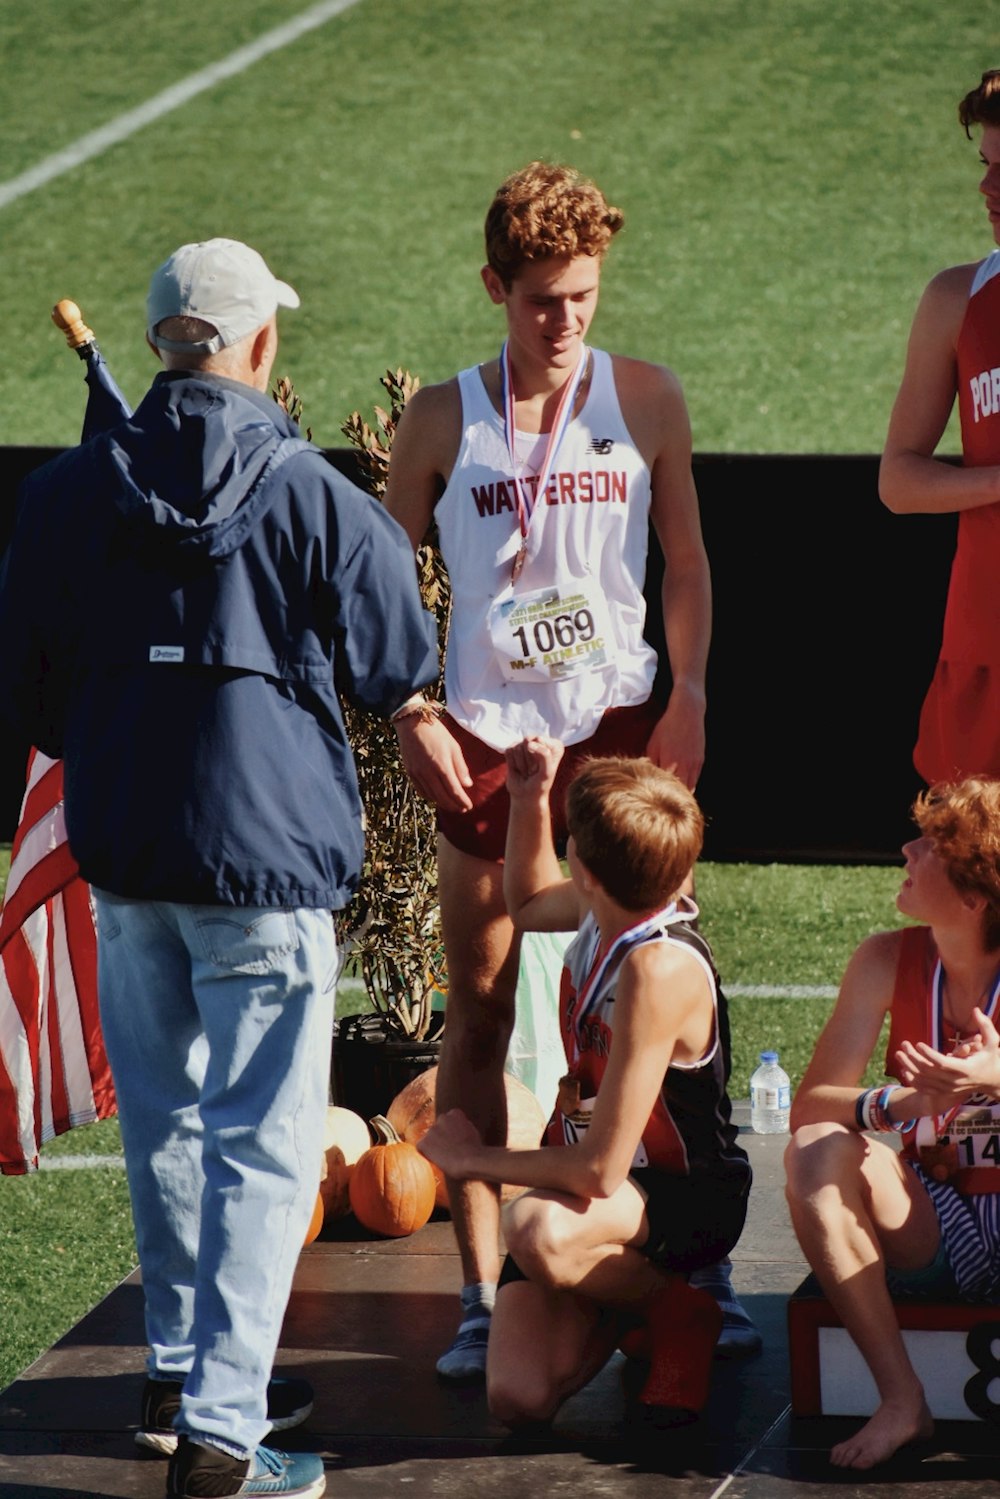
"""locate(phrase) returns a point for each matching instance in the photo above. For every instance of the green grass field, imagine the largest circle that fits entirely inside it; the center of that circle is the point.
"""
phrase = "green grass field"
(791, 174)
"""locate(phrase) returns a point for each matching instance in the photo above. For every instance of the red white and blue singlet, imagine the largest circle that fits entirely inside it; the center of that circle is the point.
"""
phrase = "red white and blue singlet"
(689, 1130)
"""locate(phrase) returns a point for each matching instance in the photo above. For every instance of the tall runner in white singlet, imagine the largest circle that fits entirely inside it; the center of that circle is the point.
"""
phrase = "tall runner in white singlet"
(543, 469)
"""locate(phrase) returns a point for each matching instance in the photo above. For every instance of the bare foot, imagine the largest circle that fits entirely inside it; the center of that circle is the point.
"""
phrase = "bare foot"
(891, 1427)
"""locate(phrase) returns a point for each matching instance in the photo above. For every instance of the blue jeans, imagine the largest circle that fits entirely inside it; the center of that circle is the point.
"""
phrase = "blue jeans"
(218, 1023)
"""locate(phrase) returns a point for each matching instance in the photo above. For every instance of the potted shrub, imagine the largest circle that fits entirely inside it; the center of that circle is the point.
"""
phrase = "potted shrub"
(391, 931)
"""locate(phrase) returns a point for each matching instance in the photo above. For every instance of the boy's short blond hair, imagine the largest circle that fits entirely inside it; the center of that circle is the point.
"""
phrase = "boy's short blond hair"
(637, 829)
(962, 820)
(544, 211)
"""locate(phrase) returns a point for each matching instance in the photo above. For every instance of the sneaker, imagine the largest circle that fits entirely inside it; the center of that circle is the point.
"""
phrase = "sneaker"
(289, 1402)
(739, 1337)
(465, 1360)
(198, 1471)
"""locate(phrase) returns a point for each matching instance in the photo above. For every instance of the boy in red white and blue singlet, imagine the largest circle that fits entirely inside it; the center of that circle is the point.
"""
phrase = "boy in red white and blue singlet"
(647, 1184)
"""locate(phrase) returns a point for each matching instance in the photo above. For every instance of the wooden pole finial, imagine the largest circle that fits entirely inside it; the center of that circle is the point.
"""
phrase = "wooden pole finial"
(67, 316)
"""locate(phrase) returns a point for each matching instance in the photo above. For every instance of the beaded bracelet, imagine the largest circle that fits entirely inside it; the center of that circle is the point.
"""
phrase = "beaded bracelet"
(426, 709)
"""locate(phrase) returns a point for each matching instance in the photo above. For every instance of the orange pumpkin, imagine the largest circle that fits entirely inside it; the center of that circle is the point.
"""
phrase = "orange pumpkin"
(392, 1186)
(411, 1115)
(346, 1140)
(412, 1112)
(315, 1222)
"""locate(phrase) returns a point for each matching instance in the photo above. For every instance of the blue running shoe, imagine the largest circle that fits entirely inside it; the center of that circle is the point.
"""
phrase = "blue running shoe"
(465, 1360)
(739, 1337)
(198, 1471)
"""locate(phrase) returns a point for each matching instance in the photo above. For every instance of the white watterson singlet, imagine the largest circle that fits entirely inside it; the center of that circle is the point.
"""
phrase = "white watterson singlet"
(550, 654)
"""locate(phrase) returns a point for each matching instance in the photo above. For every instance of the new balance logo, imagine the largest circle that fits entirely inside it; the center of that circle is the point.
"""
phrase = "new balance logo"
(601, 445)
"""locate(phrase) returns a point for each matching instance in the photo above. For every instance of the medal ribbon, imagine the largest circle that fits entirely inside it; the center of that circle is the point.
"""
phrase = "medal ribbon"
(936, 1027)
(526, 502)
(632, 936)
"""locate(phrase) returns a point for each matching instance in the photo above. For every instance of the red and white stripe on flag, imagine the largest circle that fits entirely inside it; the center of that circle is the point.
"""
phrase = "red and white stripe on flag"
(54, 1073)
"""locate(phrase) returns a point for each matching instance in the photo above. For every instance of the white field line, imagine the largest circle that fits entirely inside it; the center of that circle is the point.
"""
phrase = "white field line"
(96, 142)
(780, 991)
(356, 989)
(80, 1162)
(733, 991)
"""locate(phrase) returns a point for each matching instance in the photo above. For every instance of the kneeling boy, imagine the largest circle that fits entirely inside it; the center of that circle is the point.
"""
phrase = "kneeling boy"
(649, 1184)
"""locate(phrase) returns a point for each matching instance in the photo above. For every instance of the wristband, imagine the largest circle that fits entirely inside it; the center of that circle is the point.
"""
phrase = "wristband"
(899, 1126)
(871, 1111)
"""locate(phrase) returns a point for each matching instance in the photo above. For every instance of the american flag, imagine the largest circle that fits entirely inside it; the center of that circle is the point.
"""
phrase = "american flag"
(54, 1073)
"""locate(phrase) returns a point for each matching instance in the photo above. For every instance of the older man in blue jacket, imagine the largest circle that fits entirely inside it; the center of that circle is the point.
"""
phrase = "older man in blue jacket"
(185, 599)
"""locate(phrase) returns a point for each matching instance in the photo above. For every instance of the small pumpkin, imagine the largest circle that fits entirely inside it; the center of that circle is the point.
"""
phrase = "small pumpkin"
(346, 1139)
(315, 1222)
(412, 1112)
(411, 1115)
(392, 1187)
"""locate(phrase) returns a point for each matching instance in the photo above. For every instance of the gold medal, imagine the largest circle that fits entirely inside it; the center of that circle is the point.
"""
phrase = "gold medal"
(568, 1097)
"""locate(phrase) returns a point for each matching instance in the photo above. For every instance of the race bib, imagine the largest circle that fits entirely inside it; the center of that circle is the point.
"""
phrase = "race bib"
(972, 1138)
(552, 633)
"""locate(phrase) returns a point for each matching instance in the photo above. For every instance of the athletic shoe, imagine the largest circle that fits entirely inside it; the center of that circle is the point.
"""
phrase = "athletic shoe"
(289, 1402)
(466, 1358)
(198, 1471)
(739, 1337)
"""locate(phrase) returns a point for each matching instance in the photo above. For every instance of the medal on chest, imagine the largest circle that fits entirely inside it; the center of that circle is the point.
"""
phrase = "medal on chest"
(529, 493)
(562, 630)
(969, 1134)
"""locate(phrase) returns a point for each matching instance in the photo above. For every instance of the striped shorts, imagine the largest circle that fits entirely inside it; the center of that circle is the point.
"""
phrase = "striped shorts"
(970, 1233)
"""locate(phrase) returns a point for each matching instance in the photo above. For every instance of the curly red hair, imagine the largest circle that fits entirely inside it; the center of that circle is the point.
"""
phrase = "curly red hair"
(962, 820)
(544, 211)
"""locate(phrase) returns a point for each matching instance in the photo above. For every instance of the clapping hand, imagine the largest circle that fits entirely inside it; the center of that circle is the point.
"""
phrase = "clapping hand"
(972, 1067)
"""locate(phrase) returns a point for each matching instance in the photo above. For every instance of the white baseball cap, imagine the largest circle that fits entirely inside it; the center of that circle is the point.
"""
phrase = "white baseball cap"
(221, 281)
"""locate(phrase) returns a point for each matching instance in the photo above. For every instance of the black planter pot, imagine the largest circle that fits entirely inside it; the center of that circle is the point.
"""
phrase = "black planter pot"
(372, 1063)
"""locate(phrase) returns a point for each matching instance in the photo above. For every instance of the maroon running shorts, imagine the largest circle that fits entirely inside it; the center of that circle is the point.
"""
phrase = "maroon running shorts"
(482, 831)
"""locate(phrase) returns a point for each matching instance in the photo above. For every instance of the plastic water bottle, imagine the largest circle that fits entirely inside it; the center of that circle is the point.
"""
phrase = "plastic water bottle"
(770, 1097)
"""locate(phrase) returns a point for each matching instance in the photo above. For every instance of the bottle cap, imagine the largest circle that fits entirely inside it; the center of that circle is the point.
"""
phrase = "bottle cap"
(769, 1056)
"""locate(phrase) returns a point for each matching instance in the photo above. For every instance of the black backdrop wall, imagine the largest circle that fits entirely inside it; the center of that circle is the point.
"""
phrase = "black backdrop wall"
(827, 621)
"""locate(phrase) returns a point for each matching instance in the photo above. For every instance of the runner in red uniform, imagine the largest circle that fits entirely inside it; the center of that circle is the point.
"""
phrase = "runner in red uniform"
(873, 1223)
(955, 350)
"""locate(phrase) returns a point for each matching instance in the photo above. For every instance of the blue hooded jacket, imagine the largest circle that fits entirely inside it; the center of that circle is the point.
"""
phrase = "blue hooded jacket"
(183, 601)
